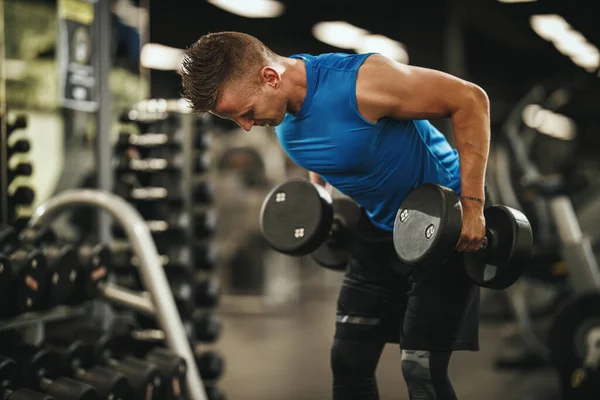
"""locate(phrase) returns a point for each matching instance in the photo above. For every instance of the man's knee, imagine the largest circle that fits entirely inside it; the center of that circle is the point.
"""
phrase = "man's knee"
(426, 375)
(355, 358)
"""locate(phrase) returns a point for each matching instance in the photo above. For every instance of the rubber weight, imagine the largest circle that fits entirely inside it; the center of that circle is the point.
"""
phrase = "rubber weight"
(427, 230)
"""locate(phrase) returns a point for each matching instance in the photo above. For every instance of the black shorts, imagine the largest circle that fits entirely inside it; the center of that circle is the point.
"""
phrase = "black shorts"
(430, 308)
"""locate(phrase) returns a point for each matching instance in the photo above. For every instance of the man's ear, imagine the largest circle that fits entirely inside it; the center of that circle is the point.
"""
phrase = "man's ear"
(270, 76)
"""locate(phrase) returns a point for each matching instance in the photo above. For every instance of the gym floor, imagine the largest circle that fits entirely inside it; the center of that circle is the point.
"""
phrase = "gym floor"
(286, 356)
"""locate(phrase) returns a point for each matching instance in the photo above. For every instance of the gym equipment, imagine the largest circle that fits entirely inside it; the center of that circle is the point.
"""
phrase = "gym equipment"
(39, 372)
(201, 193)
(158, 301)
(21, 169)
(95, 262)
(74, 359)
(172, 369)
(210, 364)
(29, 272)
(19, 123)
(207, 326)
(427, 230)
(152, 165)
(9, 378)
(150, 140)
(574, 342)
(19, 146)
(206, 293)
(22, 195)
(299, 218)
(143, 377)
(205, 256)
(62, 263)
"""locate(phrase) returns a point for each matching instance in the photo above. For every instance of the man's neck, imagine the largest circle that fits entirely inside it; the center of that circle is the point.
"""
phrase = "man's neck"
(295, 78)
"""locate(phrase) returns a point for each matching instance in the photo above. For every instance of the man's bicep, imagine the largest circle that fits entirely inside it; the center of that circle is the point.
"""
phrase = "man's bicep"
(385, 88)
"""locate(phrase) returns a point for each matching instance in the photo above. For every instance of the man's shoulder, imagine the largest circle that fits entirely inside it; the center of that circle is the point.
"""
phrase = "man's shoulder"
(336, 60)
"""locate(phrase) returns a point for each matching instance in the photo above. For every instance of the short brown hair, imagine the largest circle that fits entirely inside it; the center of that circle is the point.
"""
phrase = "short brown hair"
(215, 60)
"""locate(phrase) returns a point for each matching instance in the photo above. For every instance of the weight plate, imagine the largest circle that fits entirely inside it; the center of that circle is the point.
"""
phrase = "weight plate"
(296, 217)
(509, 247)
(334, 252)
(428, 225)
(31, 281)
(569, 329)
(63, 267)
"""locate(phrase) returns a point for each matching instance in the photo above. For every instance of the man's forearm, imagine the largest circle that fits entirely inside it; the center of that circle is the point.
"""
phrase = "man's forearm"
(471, 125)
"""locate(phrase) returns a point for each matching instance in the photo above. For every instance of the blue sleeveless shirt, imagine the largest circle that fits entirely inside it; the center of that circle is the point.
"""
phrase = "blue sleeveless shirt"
(375, 164)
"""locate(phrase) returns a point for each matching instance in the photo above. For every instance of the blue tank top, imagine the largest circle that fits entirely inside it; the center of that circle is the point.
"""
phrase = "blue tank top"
(375, 164)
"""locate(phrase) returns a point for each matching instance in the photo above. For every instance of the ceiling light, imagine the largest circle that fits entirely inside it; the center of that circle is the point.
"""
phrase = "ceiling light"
(158, 56)
(383, 45)
(251, 8)
(549, 26)
(339, 34)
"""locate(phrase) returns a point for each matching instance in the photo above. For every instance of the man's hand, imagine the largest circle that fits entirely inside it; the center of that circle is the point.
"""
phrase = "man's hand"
(473, 229)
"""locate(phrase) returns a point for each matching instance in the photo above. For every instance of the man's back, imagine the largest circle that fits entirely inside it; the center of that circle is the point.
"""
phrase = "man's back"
(375, 164)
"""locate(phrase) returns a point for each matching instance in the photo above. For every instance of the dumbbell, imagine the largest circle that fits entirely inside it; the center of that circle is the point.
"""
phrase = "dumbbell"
(21, 169)
(205, 223)
(62, 262)
(205, 256)
(201, 193)
(29, 274)
(299, 218)
(19, 146)
(74, 359)
(207, 326)
(21, 195)
(95, 263)
(200, 164)
(172, 367)
(211, 365)
(143, 377)
(39, 372)
(19, 123)
(428, 226)
(9, 383)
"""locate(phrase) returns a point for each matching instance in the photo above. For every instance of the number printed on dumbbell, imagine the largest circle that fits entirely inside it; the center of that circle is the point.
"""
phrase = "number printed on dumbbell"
(280, 197)
(299, 233)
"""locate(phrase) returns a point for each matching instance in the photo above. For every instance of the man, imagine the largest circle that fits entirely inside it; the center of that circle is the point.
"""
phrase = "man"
(358, 123)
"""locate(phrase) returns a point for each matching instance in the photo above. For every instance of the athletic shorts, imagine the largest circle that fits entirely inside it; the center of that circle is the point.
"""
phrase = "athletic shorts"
(430, 308)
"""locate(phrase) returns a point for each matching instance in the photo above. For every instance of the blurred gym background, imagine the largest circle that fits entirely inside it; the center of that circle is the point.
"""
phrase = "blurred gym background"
(89, 99)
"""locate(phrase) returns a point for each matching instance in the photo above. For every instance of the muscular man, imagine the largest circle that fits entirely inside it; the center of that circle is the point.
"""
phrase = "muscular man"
(358, 122)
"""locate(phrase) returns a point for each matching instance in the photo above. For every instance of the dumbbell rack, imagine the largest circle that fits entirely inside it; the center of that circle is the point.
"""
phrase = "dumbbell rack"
(19, 196)
(142, 133)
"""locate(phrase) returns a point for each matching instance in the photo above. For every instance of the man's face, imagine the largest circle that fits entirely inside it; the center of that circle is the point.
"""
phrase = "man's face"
(253, 103)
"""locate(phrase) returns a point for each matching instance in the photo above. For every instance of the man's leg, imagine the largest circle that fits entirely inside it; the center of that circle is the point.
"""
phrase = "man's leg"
(441, 316)
(368, 305)
(426, 375)
(353, 365)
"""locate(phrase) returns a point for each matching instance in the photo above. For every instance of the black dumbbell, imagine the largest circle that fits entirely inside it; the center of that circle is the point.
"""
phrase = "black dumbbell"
(19, 146)
(200, 164)
(211, 365)
(428, 227)
(202, 141)
(149, 140)
(142, 376)
(300, 218)
(62, 262)
(172, 367)
(205, 223)
(22, 195)
(19, 123)
(21, 169)
(74, 359)
(207, 326)
(205, 256)
(207, 293)
(9, 383)
(95, 262)
(39, 372)
(174, 224)
(30, 274)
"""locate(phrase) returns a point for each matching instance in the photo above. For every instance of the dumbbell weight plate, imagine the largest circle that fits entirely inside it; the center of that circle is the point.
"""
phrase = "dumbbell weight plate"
(296, 217)
(428, 225)
(509, 246)
(334, 252)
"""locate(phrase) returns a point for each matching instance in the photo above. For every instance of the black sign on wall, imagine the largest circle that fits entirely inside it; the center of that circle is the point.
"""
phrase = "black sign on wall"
(77, 60)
